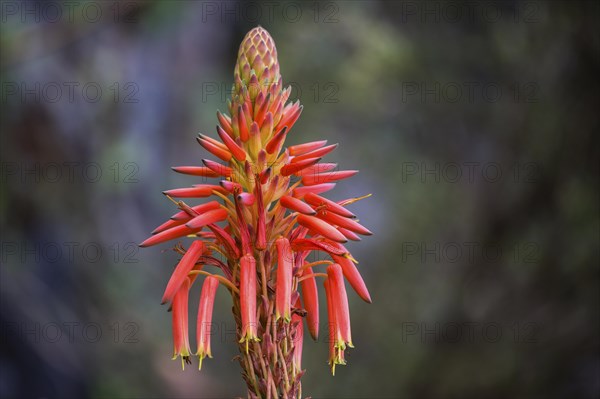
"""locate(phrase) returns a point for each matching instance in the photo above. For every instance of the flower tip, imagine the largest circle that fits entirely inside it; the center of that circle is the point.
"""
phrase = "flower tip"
(348, 255)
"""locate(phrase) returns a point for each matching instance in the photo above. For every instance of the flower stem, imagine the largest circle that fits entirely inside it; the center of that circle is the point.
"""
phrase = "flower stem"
(221, 279)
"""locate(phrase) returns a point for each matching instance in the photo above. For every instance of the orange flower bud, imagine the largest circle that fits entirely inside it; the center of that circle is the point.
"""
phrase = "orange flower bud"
(225, 123)
(219, 152)
(237, 151)
(300, 149)
(297, 167)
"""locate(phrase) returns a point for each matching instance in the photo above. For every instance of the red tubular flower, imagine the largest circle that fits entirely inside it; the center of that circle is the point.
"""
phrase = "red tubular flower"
(297, 167)
(310, 180)
(346, 223)
(311, 244)
(231, 186)
(319, 202)
(246, 199)
(210, 217)
(296, 205)
(225, 121)
(237, 151)
(169, 224)
(167, 235)
(283, 291)
(349, 234)
(179, 312)
(306, 147)
(218, 151)
(195, 171)
(266, 215)
(320, 152)
(248, 299)
(353, 276)
(300, 192)
(276, 141)
(317, 168)
(310, 295)
(183, 268)
(318, 226)
(204, 322)
(219, 169)
(336, 350)
(200, 191)
(340, 304)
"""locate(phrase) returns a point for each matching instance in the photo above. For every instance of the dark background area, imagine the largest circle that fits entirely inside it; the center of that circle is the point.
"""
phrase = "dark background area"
(474, 125)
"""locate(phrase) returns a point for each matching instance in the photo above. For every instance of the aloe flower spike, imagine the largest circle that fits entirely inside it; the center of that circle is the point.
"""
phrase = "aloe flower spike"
(265, 213)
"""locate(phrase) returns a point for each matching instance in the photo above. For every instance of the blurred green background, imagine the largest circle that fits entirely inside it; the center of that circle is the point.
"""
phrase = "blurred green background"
(474, 125)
